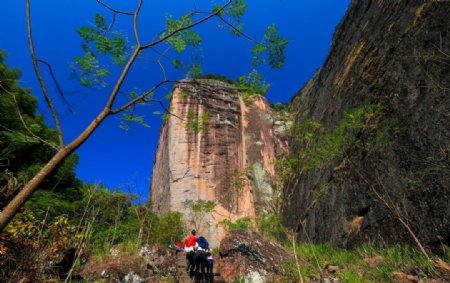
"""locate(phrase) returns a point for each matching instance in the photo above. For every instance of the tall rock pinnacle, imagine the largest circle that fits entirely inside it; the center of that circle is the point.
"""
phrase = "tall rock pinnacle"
(208, 148)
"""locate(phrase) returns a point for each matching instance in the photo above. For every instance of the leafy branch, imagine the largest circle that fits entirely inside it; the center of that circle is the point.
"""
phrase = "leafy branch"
(103, 41)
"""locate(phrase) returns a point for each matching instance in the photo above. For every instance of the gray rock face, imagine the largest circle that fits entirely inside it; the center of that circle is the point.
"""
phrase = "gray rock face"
(395, 54)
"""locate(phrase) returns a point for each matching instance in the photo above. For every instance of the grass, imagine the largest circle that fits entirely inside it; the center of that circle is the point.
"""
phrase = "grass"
(352, 264)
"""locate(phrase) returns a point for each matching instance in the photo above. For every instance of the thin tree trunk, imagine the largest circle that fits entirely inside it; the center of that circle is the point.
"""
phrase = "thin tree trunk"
(14, 205)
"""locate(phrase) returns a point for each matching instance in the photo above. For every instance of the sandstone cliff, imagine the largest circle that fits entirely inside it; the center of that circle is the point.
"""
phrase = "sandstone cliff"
(394, 56)
(214, 147)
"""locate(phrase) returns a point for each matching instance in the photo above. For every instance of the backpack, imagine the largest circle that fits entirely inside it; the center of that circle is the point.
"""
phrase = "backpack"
(203, 243)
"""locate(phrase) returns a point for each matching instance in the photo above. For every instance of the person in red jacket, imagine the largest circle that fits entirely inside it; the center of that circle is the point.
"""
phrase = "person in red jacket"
(189, 244)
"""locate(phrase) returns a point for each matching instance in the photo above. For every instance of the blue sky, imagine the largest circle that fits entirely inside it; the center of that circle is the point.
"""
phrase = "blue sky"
(124, 159)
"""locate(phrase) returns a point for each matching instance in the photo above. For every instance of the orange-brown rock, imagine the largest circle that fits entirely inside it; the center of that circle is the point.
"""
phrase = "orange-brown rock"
(214, 147)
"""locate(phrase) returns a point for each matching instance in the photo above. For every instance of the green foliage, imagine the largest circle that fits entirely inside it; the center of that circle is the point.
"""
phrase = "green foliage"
(177, 64)
(195, 122)
(198, 211)
(167, 229)
(195, 71)
(167, 114)
(320, 147)
(351, 262)
(236, 11)
(270, 50)
(236, 185)
(217, 77)
(98, 41)
(22, 152)
(252, 85)
(181, 38)
(271, 226)
(276, 44)
(200, 206)
(129, 117)
(55, 203)
(115, 219)
(241, 224)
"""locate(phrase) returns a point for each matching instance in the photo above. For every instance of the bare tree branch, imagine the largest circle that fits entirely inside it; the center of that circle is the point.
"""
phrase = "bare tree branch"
(238, 30)
(140, 98)
(135, 23)
(164, 38)
(58, 87)
(114, 10)
(41, 80)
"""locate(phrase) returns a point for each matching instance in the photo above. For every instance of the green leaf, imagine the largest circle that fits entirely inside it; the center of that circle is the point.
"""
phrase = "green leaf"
(277, 44)
(177, 64)
(100, 22)
(258, 49)
(87, 34)
(168, 96)
(102, 44)
(102, 72)
(256, 62)
(127, 119)
(237, 9)
(217, 8)
(192, 38)
(195, 71)
(166, 116)
(252, 84)
(178, 43)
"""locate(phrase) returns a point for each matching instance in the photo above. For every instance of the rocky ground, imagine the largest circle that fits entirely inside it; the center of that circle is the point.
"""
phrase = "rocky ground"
(242, 257)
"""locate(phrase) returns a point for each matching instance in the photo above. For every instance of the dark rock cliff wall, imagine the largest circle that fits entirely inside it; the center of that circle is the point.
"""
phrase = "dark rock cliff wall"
(395, 54)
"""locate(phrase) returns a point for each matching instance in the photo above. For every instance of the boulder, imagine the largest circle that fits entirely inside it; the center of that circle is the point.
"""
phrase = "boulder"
(251, 256)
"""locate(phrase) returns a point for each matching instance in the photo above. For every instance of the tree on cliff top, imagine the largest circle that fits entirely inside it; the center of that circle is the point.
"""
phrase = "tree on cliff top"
(104, 44)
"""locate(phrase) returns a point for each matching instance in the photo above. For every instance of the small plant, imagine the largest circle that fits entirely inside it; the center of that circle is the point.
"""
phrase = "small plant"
(198, 212)
(252, 85)
(217, 77)
(197, 122)
(241, 224)
(270, 225)
(236, 186)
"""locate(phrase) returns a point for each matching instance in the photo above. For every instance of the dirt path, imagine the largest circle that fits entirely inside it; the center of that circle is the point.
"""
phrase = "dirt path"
(184, 276)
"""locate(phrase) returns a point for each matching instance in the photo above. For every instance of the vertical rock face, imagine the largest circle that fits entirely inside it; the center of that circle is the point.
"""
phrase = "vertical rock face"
(395, 54)
(214, 148)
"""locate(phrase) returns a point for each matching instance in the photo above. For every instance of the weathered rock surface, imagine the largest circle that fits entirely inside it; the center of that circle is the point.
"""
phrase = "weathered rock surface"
(251, 257)
(152, 264)
(395, 54)
(214, 147)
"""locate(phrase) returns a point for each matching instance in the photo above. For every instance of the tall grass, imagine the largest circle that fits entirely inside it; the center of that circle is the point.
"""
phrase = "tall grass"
(352, 264)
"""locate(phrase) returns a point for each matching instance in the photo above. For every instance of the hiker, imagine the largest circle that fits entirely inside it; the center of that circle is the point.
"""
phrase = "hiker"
(200, 258)
(209, 268)
(189, 244)
(178, 247)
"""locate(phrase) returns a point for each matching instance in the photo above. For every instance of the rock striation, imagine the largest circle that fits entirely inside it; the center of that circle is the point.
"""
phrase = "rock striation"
(214, 147)
(395, 55)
